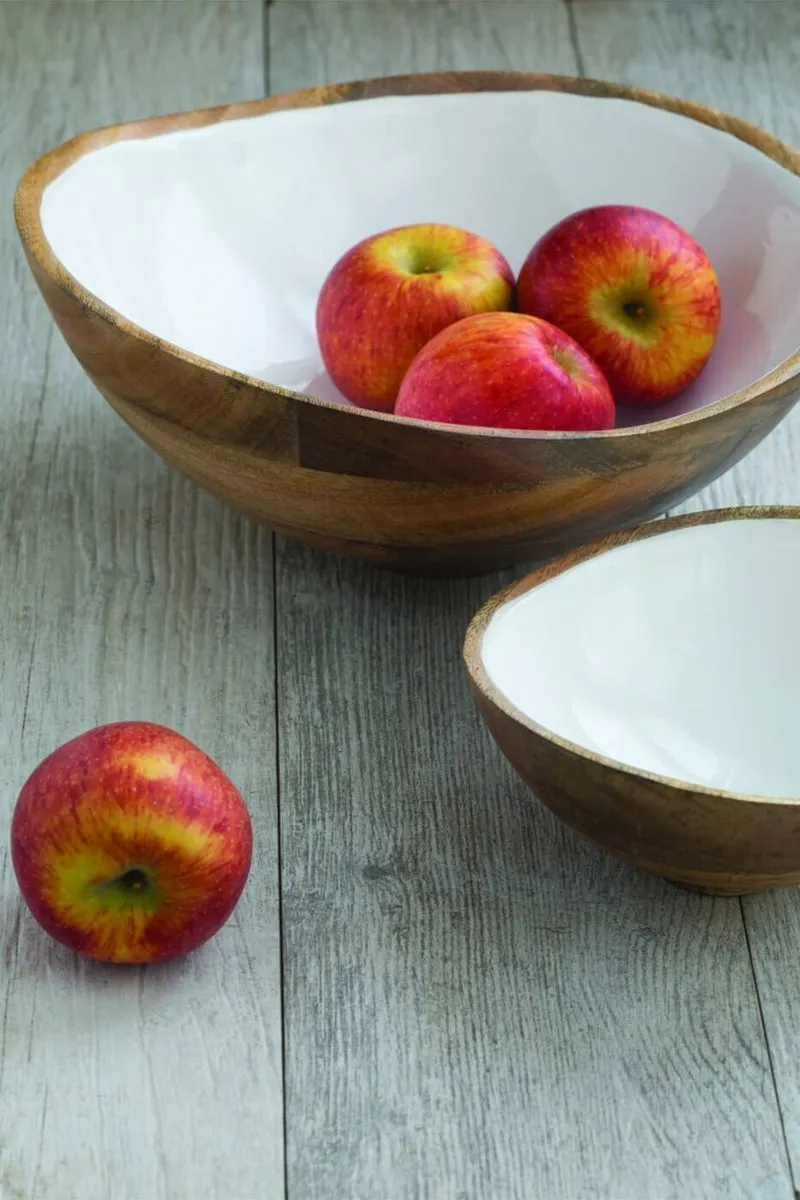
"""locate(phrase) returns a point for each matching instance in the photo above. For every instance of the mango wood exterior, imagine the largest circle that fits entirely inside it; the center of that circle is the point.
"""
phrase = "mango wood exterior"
(709, 841)
(405, 494)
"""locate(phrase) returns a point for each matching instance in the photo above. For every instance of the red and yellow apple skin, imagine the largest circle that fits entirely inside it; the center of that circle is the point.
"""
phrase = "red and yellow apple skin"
(130, 845)
(506, 371)
(635, 290)
(392, 292)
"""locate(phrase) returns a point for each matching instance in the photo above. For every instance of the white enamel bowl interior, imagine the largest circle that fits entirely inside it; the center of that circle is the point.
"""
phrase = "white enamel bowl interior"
(218, 239)
(678, 654)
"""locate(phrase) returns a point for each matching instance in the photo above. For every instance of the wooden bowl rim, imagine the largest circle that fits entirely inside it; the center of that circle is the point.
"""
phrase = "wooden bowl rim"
(476, 630)
(49, 166)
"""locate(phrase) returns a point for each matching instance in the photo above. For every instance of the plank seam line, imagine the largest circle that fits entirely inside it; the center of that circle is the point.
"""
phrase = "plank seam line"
(267, 81)
(770, 1059)
(574, 38)
(279, 840)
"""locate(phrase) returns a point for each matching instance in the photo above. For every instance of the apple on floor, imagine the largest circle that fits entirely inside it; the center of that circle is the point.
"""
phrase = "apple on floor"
(130, 845)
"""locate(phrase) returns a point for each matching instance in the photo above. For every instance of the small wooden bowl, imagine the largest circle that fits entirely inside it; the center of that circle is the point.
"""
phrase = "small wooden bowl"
(646, 688)
(181, 258)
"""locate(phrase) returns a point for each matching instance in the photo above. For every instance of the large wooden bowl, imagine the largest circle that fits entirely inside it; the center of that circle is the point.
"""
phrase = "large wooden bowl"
(181, 258)
(646, 687)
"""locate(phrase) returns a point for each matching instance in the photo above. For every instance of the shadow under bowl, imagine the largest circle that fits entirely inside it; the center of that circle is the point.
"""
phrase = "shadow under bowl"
(181, 258)
(646, 688)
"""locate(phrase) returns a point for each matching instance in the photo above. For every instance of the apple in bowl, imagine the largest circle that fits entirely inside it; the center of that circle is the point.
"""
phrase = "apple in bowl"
(635, 290)
(388, 295)
(130, 845)
(506, 371)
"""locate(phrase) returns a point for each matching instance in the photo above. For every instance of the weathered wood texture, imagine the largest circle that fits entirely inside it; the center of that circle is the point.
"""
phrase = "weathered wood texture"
(477, 1004)
(744, 57)
(126, 593)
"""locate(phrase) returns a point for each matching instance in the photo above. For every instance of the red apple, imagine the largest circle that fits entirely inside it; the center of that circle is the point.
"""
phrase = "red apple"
(508, 371)
(635, 290)
(130, 845)
(391, 293)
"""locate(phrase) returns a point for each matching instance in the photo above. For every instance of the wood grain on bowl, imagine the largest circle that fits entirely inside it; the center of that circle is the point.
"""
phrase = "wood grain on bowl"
(708, 840)
(413, 495)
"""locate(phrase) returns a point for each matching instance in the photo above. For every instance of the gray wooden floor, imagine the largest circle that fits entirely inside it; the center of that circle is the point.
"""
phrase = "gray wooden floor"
(430, 991)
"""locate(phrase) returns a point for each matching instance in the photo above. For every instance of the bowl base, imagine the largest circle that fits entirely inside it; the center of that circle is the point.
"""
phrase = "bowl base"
(420, 562)
(447, 571)
(699, 890)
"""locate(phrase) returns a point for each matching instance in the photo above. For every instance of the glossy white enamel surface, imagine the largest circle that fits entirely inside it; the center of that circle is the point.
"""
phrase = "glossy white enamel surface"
(678, 654)
(218, 239)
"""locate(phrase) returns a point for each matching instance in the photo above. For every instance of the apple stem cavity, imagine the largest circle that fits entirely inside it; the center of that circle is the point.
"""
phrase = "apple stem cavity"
(133, 880)
(423, 260)
(564, 359)
(135, 886)
(427, 262)
(635, 310)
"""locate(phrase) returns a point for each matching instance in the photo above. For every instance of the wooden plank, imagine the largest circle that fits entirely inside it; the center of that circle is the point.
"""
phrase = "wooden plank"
(744, 58)
(477, 1004)
(328, 41)
(126, 593)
